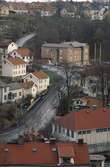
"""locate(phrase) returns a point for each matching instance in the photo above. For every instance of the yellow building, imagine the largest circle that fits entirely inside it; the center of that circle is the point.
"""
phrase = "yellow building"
(71, 52)
(4, 10)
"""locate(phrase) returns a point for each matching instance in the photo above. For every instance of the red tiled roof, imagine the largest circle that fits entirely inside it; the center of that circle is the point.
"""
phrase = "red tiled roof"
(40, 153)
(24, 52)
(86, 119)
(40, 74)
(15, 61)
(65, 151)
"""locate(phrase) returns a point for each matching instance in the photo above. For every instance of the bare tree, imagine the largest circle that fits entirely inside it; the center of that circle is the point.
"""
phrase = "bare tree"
(101, 71)
(69, 70)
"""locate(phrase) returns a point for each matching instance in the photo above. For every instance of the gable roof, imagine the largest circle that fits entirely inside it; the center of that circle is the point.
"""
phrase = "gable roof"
(66, 151)
(40, 74)
(39, 153)
(86, 119)
(24, 52)
(15, 61)
(27, 85)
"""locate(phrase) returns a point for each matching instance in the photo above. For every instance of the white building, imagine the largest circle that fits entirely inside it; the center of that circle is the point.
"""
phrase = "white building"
(13, 67)
(47, 13)
(65, 13)
(11, 47)
(39, 78)
(24, 53)
(10, 92)
(91, 125)
(29, 88)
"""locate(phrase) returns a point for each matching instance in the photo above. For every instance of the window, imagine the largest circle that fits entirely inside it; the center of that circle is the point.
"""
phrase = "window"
(72, 134)
(15, 94)
(66, 160)
(5, 97)
(80, 132)
(88, 131)
(101, 130)
(59, 129)
(68, 134)
(19, 93)
(84, 132)
(14, 53)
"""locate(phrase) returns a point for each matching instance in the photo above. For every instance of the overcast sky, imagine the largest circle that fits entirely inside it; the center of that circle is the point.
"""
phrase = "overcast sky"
(36, 0)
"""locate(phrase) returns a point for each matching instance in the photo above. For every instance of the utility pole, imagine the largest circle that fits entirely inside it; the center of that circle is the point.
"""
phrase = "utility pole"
(95, 52)
(100, 53)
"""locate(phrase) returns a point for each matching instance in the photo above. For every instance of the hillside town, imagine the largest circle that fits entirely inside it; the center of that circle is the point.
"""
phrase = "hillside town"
(55, 84)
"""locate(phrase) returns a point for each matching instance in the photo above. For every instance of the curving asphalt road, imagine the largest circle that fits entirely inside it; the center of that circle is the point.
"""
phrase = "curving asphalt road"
(40, 115)
(20, 42)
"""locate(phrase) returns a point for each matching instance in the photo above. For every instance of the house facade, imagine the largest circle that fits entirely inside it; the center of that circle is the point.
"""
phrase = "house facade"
(70, 52)
(91, 125)
(13, 67)
(10, 92)
(30, 88)
(4, 10)
(39, 78)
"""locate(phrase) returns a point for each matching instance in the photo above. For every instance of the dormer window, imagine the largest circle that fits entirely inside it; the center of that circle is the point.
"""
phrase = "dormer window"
(66, 154)
(66, 160)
